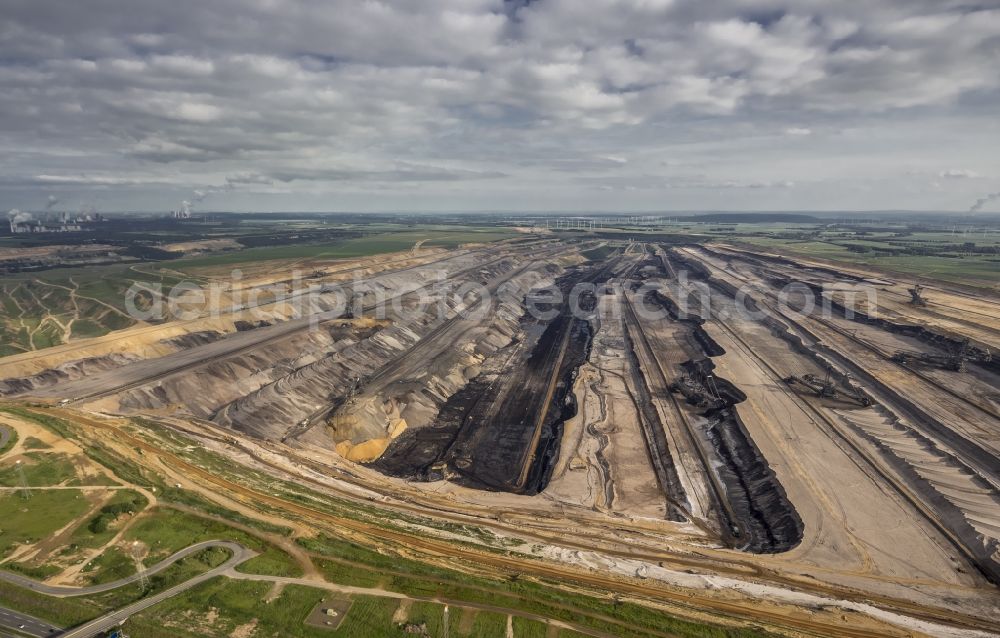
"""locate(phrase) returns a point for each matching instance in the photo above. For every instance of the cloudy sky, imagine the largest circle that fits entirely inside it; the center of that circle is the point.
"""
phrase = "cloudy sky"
(499, 105)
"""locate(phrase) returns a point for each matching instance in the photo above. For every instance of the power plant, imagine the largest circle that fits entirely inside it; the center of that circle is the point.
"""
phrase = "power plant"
(24, 222)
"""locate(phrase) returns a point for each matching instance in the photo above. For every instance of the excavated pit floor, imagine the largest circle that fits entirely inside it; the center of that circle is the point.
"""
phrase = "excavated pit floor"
(502, 430)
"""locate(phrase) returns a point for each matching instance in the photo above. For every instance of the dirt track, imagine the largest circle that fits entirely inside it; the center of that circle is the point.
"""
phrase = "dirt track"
(693, 602)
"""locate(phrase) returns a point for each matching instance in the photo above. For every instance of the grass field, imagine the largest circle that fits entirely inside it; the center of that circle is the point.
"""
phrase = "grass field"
(93, 532)
(42, 309)
(272, 562)
(31, 443)
(29, 520)
(166, 531)
(220, 607)
(111, 565)
(38, 469)
(104, 525)
(238, 605)
(959, 269)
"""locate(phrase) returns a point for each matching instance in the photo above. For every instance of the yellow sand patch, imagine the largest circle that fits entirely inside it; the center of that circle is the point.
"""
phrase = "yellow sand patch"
(371, 449)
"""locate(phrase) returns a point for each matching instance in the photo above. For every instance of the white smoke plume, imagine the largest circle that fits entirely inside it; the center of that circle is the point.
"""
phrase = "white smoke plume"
(199, 195)
(18, 216)
(982, 201)
(52, 201)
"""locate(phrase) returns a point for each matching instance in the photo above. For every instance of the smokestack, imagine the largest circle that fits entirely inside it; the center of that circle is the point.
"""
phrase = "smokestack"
(18, 216)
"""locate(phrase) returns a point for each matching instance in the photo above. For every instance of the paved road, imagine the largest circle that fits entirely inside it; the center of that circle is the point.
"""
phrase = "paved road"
(240, 554)
(4, 435)
(108, 621)
(25, 624)
(34, 627)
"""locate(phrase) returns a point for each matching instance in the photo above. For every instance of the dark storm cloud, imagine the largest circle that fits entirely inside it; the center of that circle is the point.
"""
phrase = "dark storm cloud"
(498, 101)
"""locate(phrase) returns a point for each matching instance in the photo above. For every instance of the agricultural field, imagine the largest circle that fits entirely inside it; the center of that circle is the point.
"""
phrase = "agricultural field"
(51, 307)
(970, 254)
(44, 308)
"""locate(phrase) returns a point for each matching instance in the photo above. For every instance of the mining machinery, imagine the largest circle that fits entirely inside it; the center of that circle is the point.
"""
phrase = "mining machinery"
(356, 385)
(826, 388)
(916, 296)
(699, 394)
(954, 360)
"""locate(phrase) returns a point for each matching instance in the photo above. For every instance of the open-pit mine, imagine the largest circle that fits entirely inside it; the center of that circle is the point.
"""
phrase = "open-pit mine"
(704, 428)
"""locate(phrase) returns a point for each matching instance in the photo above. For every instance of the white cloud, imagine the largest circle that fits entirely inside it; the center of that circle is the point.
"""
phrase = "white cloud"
(182, 65)
(544, 92)
(958, 173)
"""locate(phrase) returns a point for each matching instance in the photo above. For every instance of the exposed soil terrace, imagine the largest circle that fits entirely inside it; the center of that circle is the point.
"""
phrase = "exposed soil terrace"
(626, 449)
(913, 432)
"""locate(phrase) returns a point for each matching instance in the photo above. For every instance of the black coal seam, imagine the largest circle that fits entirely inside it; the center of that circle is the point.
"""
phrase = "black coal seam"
(980, 553)
(404, 457)
(694, 322)
(764, 260)
(971, 450)
(920, 333)
(656, 439)
(767, 520)
(490, 471)
(564, 407)
(450, 433)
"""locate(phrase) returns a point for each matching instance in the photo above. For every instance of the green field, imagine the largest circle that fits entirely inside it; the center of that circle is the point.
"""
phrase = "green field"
(29, 520)
(31, 443)
(102, 527)
(239, 604)
(166, 531)
(38, 469)
(272, 562)
(951, 267)
(42, 309)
